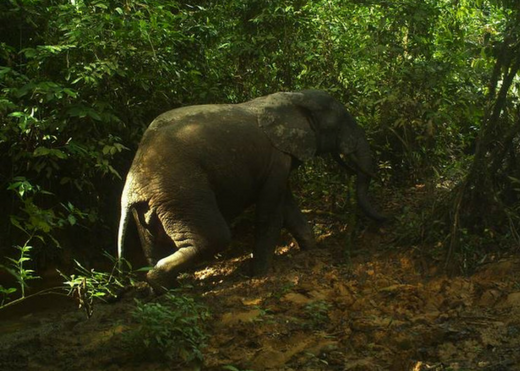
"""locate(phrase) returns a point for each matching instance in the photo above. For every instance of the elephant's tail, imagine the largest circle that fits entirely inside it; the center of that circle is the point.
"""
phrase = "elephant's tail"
(123, 224)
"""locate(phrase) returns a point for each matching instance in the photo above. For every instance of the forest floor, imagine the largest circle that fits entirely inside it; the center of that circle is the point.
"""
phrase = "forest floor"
(373, 306)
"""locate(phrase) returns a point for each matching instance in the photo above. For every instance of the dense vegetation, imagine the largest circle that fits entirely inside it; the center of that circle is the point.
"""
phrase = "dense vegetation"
(435, 83)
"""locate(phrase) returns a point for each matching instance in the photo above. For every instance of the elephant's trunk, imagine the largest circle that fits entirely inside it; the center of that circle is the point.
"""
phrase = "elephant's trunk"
(365, 164)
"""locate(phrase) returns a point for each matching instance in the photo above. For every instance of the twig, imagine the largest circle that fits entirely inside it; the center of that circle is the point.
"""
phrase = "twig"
(456, 222)
(43, 292)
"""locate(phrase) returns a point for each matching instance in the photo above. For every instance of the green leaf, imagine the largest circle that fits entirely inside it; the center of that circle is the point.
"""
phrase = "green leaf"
(17, 114)
(7, 291)
(29, 52)
(25, 90)
(77, 111)
(14, 221)
(93, 114)
(70, 93)
(72, 219)
(101, 5)
(51, 152)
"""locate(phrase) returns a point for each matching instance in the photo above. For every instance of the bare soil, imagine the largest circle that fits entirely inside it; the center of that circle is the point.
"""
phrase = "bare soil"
(370, 306)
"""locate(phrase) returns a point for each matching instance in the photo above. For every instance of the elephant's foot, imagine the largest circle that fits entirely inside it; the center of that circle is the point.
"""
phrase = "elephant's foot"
(164, 274)
(160, 280)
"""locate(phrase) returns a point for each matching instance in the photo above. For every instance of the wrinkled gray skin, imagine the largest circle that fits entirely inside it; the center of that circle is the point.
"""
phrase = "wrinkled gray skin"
(199, 167)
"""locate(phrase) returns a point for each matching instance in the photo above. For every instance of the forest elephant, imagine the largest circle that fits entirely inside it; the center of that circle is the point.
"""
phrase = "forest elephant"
(198, 167)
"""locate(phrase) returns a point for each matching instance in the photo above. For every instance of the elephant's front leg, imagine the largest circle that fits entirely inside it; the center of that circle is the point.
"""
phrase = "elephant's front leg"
(296, 223)
(269, 220)
(269, 217)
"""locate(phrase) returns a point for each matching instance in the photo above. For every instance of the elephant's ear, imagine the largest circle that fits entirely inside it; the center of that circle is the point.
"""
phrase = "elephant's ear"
(288, 126)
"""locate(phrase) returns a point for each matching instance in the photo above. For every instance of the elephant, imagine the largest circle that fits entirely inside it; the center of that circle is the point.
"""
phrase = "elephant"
(199, 167)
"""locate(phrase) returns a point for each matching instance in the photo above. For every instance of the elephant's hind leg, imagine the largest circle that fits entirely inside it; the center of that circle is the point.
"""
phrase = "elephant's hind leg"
(154, 241)
(199, 232)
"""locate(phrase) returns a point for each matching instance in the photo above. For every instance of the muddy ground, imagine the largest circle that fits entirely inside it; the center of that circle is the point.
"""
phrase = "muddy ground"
(367, 305)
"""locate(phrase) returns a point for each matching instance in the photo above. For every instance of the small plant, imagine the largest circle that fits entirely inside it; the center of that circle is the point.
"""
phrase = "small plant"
(282, 291)
(21, 273)
(37, 224)
(88, 285)
(169, 329)
(18, 270)
(5, 292)
(318, 313)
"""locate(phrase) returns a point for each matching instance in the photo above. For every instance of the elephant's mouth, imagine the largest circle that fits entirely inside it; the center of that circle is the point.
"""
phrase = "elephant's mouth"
(351, 164)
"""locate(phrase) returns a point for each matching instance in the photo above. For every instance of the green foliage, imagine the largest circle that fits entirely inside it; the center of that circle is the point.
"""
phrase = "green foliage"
(168, 329)
(19, 269)
(81, 79)
(86, 285)
(428, 99)
(5, 292)
(317, 314)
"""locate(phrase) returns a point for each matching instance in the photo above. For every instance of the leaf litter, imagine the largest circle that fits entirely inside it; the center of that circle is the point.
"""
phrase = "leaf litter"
(373, 308)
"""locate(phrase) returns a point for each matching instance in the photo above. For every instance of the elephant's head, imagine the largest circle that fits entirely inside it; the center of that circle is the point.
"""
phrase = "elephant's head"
(311, 122)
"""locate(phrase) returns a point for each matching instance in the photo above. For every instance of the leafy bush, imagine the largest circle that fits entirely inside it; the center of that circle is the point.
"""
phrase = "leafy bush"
(86, 285)
(80, 81)
(169, 329)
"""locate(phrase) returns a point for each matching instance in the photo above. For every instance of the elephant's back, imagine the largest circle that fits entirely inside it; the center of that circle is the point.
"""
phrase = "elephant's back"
(204, 132)
(199, 114)
(215, 146)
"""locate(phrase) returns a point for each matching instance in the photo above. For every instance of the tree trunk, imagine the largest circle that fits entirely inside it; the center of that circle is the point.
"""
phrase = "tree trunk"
(479, 203)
